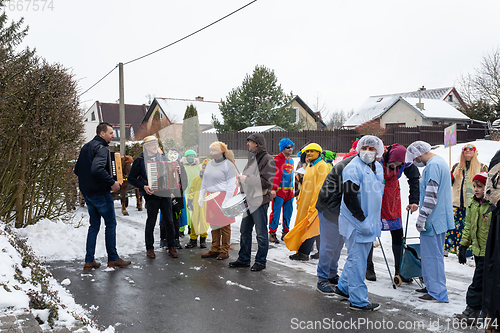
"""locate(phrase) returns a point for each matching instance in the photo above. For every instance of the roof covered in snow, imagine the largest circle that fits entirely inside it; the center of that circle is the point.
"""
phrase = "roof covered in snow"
(262, 129)
(436, 109)
(377, 105)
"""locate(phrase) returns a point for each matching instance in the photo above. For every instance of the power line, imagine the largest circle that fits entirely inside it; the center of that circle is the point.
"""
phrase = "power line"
(98, 81)
(177, 41)
(146, 55)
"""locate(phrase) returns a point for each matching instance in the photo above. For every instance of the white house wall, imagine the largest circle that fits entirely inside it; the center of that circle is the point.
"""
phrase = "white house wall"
(401, 113)
(90, 125)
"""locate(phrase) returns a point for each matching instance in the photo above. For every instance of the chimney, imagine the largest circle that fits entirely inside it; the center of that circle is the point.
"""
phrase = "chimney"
(420, 104)
(199, 99)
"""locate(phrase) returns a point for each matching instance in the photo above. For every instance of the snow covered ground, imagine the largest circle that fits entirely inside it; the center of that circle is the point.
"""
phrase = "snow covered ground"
(57, 240)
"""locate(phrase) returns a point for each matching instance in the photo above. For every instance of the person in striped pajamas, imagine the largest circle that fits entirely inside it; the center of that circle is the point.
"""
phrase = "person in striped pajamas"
(435, 218)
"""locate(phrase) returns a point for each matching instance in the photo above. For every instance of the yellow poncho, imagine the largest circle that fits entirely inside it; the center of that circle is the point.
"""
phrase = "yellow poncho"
(199, 214)
(307, 222)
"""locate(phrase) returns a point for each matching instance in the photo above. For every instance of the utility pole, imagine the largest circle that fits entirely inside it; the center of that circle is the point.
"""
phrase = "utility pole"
(122, 110)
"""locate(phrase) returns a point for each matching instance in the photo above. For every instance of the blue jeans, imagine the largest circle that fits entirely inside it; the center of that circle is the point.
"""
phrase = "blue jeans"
(259, 219)
(101, 206)
(330, 247)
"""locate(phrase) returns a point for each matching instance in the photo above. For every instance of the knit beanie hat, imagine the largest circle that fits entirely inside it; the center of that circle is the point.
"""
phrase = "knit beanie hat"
(481, 177)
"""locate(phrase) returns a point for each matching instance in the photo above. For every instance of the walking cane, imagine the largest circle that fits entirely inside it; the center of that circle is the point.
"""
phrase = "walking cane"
(390, 275)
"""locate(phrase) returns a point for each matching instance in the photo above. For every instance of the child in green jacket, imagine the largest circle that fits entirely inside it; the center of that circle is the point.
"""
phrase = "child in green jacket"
(477, 226)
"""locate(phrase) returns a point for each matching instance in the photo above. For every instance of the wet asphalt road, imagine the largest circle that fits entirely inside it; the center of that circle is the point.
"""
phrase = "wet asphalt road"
(191, 294)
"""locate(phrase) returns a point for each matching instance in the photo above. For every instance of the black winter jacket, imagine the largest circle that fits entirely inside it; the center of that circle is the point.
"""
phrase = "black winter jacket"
(92, 168)
(260, 171)
(330, 195)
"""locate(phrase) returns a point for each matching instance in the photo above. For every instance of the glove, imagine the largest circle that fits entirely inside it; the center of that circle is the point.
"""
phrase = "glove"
(190, 204)
(421, 226)
(462, 250)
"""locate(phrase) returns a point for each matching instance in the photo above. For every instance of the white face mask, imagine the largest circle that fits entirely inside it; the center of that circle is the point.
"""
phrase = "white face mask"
(172, 155)
(419, 164)
(367, 156)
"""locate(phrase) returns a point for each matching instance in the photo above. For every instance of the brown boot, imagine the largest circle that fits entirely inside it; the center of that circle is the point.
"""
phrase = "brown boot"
(222, 256)
(172, 251)
(89, 265)
(119, 263)
(210, 254)
(150, 254)
(273, 238)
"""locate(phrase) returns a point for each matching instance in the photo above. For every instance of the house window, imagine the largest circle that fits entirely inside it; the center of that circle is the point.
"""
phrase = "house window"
(450, 98)
(394, 125)
(93, 116)
(117, 132)
(297, 114)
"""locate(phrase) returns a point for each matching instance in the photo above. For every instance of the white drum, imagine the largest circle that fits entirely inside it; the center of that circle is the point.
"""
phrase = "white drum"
(235, 206)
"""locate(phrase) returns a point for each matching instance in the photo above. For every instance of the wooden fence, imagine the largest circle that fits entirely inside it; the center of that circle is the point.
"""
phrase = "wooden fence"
(340, 140)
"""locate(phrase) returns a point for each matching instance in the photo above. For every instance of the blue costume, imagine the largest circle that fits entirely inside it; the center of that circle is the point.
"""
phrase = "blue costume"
(367, 180)
(283, 185)
(437, 223)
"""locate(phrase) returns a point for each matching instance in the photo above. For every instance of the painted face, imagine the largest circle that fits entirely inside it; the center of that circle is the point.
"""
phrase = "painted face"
(190, 159)
(312, 155)
(172, 155)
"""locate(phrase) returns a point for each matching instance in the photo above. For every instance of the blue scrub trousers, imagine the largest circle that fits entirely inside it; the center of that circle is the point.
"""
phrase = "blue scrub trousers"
(330, 247)
(431, 252)
(352, 279)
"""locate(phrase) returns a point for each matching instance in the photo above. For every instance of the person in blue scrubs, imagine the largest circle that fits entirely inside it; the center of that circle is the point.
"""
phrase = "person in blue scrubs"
(435, 218)
(359, 220)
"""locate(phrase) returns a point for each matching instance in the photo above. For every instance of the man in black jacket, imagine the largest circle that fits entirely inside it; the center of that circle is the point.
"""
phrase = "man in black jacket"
(328, 206)
(95, 183)
(257, 183)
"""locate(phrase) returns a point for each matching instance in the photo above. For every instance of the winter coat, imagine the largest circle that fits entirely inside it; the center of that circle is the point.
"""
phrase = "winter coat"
(260, 170)
(491, 290)
(477, 225)
(330, 195)
(92, 168)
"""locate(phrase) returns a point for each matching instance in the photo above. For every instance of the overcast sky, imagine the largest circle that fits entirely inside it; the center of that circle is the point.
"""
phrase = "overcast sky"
(337, 52)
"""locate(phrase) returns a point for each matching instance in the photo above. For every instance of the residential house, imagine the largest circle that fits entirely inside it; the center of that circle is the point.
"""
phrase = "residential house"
(110, 113)
(170, 112)
(425, 107)
(312, 120)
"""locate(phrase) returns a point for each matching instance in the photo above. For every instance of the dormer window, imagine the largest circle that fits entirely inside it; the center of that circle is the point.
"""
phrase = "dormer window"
(93, 116)
(450, 98)
(380, 99)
